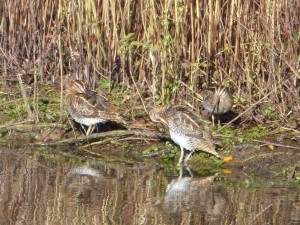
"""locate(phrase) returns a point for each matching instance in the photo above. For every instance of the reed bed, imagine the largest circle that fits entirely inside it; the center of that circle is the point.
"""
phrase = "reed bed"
(166, 50)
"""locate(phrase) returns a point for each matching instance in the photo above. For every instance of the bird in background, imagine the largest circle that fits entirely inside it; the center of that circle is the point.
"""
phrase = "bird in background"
(187, 129)
(88, 107)
(217, 102)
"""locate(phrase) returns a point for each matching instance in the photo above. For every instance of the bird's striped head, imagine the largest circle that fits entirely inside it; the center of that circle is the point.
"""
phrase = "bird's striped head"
(158, 114)
(77, 86)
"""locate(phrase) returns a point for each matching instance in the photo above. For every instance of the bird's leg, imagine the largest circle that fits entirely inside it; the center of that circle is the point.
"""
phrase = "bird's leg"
(219, 121)
(93, 128)
(90, 130)
(213, 119)
(188, 157)
(181, 155)
(82, 129)
(190, 172)
(181, 172)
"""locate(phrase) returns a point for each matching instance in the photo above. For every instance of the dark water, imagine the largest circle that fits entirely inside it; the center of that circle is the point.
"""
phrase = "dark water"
(47, 189)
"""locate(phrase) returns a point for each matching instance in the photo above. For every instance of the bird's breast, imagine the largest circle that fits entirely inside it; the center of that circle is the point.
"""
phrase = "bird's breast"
(88, 121)
(180, 139)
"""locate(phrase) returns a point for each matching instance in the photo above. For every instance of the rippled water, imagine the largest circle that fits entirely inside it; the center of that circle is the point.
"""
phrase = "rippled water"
(47, 189)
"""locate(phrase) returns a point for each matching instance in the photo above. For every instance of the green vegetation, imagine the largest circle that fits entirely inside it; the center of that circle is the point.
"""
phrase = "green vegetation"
(160, 147)
(46, 106)
(257, 131)
(105, 84)
(297, 177)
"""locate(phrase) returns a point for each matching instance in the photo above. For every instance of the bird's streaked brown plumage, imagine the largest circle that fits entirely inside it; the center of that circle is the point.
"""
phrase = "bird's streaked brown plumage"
(217, 102)
(88, 107)
(187, 129)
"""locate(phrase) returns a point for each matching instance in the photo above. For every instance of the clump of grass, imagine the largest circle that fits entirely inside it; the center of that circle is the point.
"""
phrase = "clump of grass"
(46, 105)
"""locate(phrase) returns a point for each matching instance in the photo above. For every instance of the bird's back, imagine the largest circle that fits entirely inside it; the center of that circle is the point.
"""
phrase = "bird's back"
(184, 120)
(217, 102)
(88, 107)
(188, 129)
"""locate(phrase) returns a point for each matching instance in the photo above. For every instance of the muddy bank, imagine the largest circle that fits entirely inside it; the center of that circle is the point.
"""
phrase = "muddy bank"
(272, 156)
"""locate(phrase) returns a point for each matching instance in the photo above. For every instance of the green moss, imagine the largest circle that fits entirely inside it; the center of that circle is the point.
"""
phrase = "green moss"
(168, 156)
(46, 105)
(204, 164)
(105, 84)
(153, 148)
(257, 131)
(297, 178)
(268, 112)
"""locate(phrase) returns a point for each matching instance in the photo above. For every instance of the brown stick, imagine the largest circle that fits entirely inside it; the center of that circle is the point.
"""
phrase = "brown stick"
(22, 127)
(114, 133)
(262, 141)
(24, 95)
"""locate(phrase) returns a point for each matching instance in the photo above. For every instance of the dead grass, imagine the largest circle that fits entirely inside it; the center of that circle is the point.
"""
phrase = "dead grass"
(252, 46)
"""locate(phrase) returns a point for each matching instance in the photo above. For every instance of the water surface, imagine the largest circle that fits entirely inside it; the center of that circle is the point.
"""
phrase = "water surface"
(53, 189)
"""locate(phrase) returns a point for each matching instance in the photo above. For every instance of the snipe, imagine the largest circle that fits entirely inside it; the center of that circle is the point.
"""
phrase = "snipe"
(88, 107)
(217, 102)
(187, 129)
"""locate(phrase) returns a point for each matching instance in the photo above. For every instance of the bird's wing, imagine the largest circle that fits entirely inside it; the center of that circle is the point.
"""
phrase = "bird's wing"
(103, 103)
(190, 123)
(187, 118)
(84, 104)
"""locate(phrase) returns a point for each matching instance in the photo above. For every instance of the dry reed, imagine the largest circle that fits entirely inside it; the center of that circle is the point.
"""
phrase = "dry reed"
(251, 45)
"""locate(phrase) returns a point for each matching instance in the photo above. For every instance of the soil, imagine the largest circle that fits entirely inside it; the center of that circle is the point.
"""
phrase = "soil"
(257, 157)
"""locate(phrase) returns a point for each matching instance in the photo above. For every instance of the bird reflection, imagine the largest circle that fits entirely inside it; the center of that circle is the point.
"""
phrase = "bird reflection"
(189, 193)
(180, 185)
(81, 183)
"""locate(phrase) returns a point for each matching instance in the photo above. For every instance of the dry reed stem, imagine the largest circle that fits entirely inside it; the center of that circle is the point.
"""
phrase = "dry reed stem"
(244, 43)
(25, 98)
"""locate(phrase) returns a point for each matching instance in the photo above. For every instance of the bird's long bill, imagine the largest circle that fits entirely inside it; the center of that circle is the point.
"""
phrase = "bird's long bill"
(119, 119)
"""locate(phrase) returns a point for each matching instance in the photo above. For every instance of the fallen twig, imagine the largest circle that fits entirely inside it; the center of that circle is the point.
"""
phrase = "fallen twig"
(262, 141)
(22, 127)
(96, 136)
(157, 153)
(261, 212)
(292, 173)
(275, 144)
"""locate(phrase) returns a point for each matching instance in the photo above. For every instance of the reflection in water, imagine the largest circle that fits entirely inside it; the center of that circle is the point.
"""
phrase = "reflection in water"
(35, 190)
(196, 197)
(81, 185)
